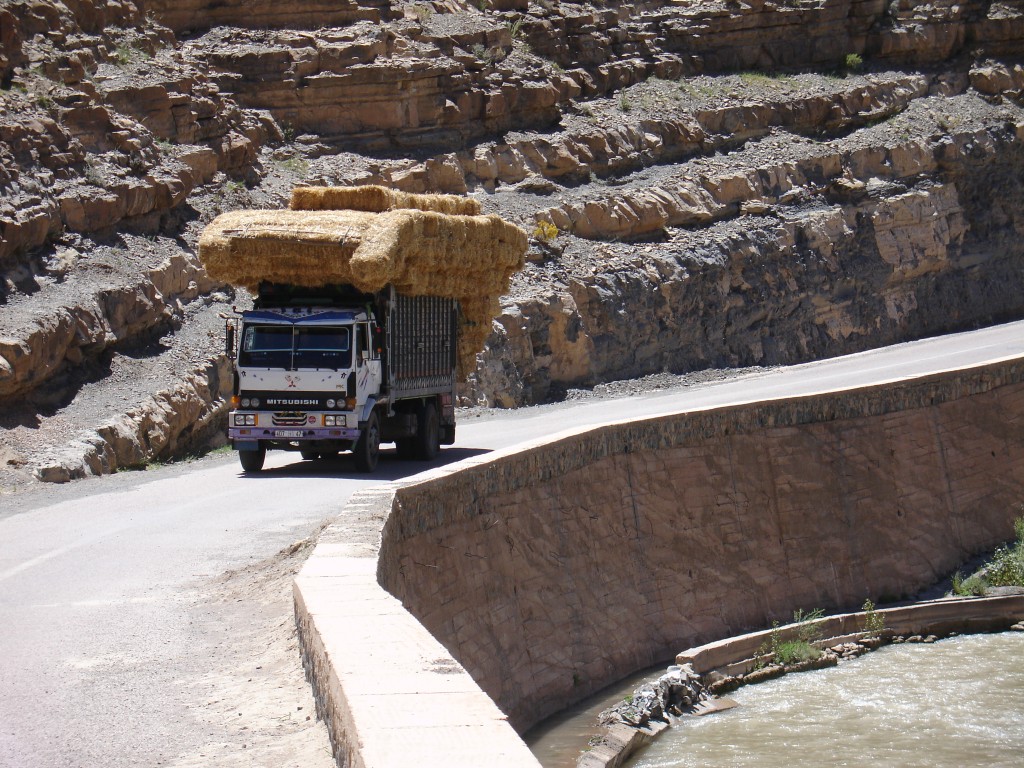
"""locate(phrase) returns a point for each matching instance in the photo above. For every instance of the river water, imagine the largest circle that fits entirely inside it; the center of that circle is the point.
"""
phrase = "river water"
(957, 702)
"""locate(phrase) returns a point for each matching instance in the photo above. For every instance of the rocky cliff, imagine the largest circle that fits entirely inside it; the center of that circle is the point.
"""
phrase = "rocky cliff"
(711, 183)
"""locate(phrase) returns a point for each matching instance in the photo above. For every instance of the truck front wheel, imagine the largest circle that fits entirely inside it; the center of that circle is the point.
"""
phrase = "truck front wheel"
(428, 432)
(367, 449)
(252, 461)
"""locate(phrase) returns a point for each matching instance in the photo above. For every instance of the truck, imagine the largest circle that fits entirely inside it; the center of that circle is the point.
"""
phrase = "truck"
(331, 369)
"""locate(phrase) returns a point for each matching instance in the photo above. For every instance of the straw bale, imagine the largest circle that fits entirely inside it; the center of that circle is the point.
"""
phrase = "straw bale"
(454, 284)
(426, 253)
(385, 248)
(378, 199)
(298, 247)
(478, 314)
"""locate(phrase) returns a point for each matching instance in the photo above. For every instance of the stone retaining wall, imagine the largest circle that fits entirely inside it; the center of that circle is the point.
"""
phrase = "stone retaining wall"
(549, 571)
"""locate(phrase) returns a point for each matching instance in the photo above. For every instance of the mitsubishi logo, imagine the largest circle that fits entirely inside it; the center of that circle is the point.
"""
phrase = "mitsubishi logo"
(292, 381)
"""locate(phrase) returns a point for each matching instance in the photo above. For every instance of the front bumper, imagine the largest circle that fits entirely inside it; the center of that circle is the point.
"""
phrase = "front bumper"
(288, 434)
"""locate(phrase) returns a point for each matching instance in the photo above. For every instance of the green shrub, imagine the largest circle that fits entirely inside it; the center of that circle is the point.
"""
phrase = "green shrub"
(809, 629)
(1007, 567)
(853, 62)
(795, 651)
(801, 647)
(971, 586)
(874, 622)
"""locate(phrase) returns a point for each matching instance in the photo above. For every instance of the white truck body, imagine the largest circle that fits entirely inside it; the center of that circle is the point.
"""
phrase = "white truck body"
(328, 370)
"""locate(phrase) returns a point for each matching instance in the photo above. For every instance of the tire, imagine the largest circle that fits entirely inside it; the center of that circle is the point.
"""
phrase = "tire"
(367, 449)
(309, 455)
(448, 434)
(252, 461)
(428, 432)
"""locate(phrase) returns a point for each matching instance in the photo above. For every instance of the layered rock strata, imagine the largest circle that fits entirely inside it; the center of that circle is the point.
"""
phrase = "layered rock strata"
(786, 250)
(691, 218)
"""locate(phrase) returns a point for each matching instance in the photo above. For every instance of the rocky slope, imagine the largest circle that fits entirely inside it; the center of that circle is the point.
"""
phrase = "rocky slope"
(712, 184)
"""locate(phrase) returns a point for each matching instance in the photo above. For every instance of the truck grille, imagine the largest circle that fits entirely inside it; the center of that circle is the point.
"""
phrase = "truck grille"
(289, 419)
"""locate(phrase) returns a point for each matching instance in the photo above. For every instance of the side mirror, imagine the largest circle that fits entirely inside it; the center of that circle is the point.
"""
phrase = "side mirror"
(229, 340)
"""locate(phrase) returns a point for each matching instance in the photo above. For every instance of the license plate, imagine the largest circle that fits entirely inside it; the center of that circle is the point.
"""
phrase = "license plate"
(288, 433)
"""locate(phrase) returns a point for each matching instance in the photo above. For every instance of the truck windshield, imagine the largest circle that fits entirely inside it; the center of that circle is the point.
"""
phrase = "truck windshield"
(294, 347)
(322, 348)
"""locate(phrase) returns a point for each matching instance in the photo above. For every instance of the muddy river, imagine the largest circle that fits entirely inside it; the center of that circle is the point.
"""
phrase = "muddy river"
(956, 702)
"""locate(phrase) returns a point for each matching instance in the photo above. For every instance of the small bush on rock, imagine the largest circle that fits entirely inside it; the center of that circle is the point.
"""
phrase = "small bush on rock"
(1007, 567)
(545, 231)
(799, 648)
(874, 622)
(795, 651)
(972, 586)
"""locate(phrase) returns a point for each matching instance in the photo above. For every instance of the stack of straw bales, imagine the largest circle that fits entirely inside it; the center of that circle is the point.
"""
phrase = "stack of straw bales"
(378, 199)
(425, 245)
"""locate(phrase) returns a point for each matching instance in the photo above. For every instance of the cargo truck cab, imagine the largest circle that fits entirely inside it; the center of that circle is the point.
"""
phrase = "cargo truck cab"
(320, 375)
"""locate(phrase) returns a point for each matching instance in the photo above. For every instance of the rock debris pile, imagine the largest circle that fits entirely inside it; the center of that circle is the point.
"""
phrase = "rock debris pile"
(640, 716)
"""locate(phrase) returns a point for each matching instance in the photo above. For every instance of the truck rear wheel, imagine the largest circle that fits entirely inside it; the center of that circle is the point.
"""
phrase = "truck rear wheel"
(252, 461)
(309, 454)
(428, 432)
(367, 448)
(448, 434)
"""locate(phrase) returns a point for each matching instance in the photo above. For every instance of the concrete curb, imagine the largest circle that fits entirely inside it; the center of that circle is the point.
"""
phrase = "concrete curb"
(936, 617)
(389, 692)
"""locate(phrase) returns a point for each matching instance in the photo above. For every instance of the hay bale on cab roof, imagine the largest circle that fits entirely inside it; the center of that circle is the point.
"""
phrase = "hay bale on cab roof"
(299, 247)
(421, 252)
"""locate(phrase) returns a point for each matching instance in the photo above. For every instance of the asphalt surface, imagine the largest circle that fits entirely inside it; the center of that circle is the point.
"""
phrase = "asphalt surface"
(129, 604)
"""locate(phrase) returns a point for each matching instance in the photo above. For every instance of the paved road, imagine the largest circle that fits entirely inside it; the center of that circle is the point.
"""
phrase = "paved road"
(901, 361)
(140, 614)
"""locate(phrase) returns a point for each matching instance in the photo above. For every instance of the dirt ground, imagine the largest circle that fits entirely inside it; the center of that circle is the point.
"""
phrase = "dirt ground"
(255, 697)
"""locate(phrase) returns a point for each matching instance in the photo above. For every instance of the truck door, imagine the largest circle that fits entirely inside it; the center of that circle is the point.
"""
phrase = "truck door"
(368, 370)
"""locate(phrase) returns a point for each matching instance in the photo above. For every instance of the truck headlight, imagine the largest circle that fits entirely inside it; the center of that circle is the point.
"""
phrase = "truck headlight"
(255, 402)
(330, 403)
(245, 402)
(244, 420)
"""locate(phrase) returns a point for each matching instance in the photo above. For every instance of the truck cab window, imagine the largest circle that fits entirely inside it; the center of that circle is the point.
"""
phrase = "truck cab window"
(320, 347)
(363, 343)
(266, 346)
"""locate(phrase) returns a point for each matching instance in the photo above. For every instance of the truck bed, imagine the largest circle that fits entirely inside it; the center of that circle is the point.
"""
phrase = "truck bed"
(422, 333)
